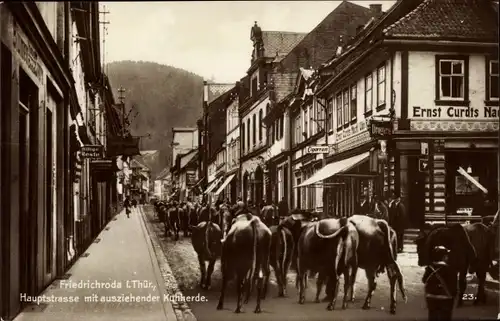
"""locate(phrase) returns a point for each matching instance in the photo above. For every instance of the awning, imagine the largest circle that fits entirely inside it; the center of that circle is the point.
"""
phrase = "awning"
(472, 180)
(226, 182)
(213, 185)
(335, 168)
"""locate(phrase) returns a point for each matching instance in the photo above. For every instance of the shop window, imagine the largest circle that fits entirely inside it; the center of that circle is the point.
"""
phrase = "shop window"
(381, 84)
(492, 79)
(368, 93)
(452, 80)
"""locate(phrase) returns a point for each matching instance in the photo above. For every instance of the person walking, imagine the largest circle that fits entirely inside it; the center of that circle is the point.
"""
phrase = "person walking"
(440, 285)
(127, 205)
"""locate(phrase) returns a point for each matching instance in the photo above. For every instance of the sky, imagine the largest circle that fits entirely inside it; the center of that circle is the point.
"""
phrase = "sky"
(209, 38)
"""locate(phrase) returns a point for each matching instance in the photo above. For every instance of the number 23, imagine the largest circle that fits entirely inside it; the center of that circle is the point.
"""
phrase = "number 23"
(468, 296)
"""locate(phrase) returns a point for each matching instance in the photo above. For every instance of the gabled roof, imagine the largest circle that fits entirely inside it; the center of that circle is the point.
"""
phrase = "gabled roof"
(217, 90)
(277, 44)
(137, 164)
(188, 157)
(474, 20)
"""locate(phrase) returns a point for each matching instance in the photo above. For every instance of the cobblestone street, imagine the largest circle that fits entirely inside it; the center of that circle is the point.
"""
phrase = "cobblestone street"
(183, 262)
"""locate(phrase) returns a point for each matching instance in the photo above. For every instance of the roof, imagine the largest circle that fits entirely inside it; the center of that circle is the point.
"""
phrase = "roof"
(279, 43)
(216, 90)
(137, 164)
(163, 174)
(449, 19)
(188, 157)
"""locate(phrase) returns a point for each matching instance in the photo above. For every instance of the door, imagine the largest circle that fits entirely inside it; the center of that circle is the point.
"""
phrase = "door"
(416, 194)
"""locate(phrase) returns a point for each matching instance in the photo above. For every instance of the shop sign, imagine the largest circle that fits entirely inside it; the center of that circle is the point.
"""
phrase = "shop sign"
(380, 128)
(27, 52)
(424, 148)
(453, 112)
(465, 211)
(92, 151)
(321, 149)
(190, 178)
(423, 165)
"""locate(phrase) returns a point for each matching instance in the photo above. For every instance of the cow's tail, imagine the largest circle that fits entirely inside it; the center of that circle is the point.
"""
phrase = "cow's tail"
(387, 232)
(341, 230)
(208, 225)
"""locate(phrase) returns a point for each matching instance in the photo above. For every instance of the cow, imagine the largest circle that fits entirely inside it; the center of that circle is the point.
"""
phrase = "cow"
(317, 247)
(192, 215)
(206, 241)
(377, 251)
(282, 249)
(174, 220)
(470, 250)
(269, 215)
(494, 248)
(245, 254)
(209, 213)
(226, 219)
(163, 216)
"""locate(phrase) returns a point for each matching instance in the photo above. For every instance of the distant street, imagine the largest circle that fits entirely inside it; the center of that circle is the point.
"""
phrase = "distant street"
(183, 261)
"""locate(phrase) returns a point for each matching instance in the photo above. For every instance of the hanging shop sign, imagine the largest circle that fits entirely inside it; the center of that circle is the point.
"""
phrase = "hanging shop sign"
(92, 151)
(380, 128)
(124, 146)
(423, 165)
(190, 178)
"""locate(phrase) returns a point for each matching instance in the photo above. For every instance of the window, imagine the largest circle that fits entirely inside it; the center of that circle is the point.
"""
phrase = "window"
(346, 106)
(282, 126)
(381, 86)
(254, 129)
(298, 129)
(306, 123)
(329, 104)
(368, 93)
(354, 97)
(248, 135)
(243, 138)
(271, 133)
(311, 122)
(451, 79)
(254, 86)
(260, 124)
(492, 73)
(338, 103)
(277, 129)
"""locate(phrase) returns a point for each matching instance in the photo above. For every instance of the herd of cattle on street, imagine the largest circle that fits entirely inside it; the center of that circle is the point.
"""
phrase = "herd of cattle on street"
(249, 241)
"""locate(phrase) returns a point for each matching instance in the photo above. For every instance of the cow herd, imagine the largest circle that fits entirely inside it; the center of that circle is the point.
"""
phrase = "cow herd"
(250, 242)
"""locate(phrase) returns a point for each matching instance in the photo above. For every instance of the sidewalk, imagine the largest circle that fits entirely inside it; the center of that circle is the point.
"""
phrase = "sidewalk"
(124, 253)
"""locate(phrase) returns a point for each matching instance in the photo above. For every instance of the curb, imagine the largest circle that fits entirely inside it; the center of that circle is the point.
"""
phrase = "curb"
(181, 309)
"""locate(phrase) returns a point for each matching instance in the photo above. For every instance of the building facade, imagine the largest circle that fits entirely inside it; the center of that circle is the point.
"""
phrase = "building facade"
(53, 93)
(231, 188)
(393, 130)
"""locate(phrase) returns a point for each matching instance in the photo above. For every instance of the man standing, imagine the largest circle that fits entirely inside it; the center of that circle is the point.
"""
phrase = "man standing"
(397, 218)
(127, 204)
(283, 209)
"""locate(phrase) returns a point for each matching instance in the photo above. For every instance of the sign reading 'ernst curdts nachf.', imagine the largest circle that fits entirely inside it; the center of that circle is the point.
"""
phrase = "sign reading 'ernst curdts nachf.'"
(455, 112)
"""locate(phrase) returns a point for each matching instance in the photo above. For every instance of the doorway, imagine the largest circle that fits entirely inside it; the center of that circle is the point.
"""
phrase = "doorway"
(28, 183)
(416, 193)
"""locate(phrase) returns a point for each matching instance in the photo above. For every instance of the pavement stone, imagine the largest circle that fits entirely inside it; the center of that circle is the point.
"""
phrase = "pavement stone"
(123, 253)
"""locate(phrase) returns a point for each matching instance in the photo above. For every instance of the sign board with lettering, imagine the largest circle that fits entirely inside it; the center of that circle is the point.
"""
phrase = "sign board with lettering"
(190, 178)
(27, 52)
(92, 151)
(320, 149)
(424, 148)
(454, 112)
(379, 129)
(423, 165)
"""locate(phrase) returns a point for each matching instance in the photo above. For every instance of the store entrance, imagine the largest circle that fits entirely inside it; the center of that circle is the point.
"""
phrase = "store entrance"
(416, 194)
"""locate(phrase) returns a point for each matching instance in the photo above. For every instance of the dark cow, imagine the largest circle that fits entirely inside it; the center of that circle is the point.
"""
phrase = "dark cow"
(269, 215)
(192, 215)
(206, 241)
(282, 249)
(470, 250)
(174, 220)
(346, 264)
(209, 213)
(317, 247)
(163, 217)
(377, 250)
(226, 219)
(245, 254)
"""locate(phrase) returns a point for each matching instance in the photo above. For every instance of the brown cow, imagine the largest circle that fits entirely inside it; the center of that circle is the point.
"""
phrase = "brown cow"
(245, 254)
(206, 241)
(317, 249)
(282, 248)
(377, 250)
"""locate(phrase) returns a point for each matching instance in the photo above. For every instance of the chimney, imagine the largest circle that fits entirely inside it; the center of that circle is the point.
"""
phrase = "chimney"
(376, 10)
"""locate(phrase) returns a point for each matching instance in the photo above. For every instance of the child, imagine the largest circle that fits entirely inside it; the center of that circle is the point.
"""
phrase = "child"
(440, 285)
